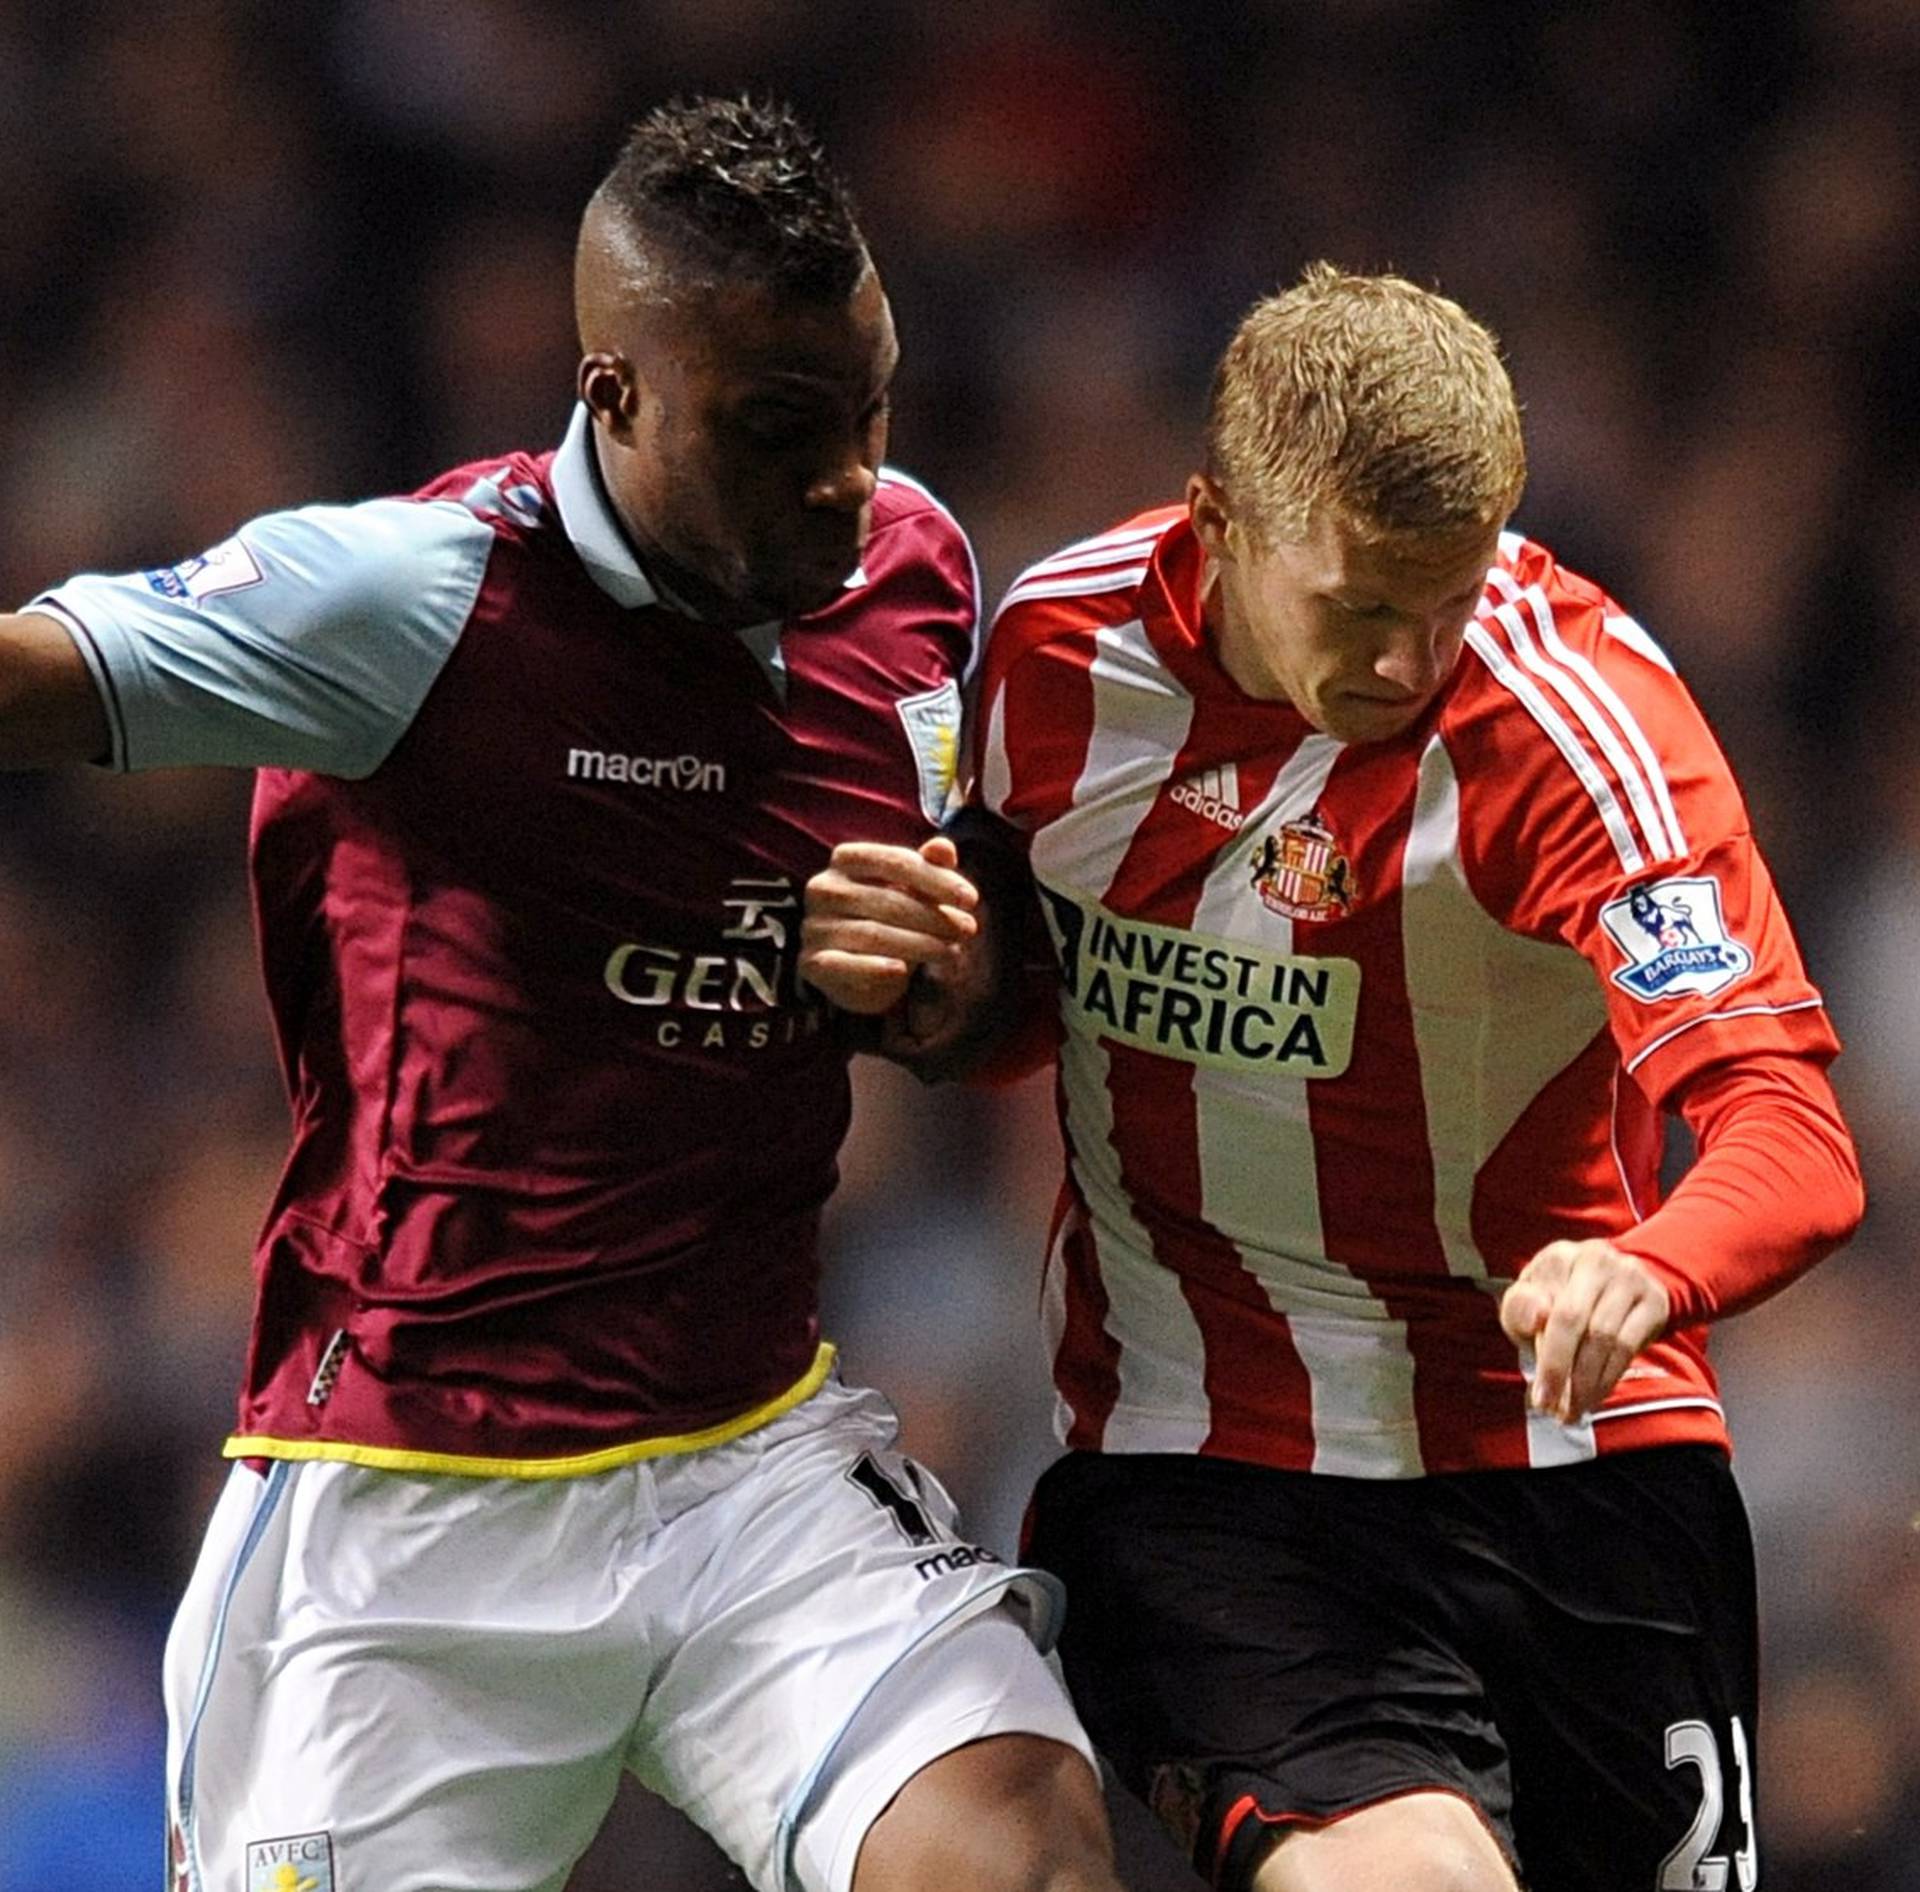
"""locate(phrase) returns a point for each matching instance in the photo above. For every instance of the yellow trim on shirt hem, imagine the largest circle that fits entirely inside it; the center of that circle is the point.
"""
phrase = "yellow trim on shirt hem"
(388, 1458)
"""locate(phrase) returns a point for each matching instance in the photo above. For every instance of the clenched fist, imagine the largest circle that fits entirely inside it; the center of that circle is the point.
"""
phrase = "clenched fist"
(1587, 1308)
(876, 912)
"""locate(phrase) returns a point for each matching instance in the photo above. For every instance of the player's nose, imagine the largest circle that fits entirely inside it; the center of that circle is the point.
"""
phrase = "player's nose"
(844, 488)
(1416, 660)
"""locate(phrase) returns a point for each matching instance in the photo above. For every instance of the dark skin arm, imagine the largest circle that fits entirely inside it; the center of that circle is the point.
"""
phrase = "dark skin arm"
(50, 711)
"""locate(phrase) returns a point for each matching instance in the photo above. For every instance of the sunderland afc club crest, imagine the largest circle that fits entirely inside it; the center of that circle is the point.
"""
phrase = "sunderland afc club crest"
(1674, 938)
(1301, 872)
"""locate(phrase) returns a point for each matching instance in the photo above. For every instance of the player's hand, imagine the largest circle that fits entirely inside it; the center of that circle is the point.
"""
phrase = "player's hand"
(1586, 1308)
(875, 913)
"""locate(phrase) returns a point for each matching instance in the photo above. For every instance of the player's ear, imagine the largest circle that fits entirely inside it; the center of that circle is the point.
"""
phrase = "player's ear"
(607, 385)
(1212, 524)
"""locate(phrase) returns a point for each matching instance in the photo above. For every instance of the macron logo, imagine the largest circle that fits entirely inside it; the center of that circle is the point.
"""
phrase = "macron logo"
(1213, 794)
(687, 773)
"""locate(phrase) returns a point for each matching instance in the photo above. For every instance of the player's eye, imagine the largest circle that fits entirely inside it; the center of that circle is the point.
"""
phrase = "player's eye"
(778, 427)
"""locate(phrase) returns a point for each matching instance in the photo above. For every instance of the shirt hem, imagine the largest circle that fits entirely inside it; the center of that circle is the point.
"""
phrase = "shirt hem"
(394, 1458)
(1683, 1416)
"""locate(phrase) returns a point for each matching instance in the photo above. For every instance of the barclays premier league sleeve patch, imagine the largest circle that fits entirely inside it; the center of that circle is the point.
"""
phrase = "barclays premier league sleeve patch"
(1675, 940)
(228, 567)
(932, 721)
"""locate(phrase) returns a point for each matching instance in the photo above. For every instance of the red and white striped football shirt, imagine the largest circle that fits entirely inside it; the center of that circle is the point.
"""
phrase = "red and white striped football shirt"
(1351, 1031)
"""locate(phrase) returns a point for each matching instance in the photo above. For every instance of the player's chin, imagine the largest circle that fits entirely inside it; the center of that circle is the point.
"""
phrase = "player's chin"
(810, 586)
(1368, 719)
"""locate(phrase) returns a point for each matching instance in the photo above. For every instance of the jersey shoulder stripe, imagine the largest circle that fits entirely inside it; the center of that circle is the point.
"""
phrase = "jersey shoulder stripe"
(1087, 585)
(1494, 655)
(1525, 620)
(1130, 541)
(1101, 558)
(1521, 635)
(1112, 562)
(1526, 563)
(1143, 530)
(1662, 823)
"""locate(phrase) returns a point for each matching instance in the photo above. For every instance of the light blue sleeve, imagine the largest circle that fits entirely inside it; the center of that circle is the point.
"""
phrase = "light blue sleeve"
(308, 641)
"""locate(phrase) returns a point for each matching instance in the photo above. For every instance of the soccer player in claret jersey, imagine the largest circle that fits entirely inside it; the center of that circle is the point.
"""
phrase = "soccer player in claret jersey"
(1394, 888)
(544, 1470)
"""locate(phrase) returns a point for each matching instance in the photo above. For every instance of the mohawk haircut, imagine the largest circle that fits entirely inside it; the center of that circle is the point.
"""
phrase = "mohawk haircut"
(738, 187)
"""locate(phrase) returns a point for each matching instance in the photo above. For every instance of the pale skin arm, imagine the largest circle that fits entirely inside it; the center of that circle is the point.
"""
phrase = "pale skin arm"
(898, 934)
(1587, 1308)
(876, 911)
(50, 711)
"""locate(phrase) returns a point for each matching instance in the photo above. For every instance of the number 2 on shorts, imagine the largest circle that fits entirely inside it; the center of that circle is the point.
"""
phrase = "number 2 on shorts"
(1689, 1868)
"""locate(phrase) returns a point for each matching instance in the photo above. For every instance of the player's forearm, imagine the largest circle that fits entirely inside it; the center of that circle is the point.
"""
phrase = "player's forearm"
(1775, 1189)
(50, 711)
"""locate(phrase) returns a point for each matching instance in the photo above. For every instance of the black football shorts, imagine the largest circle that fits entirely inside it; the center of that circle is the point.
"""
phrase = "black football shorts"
(1572, 1650)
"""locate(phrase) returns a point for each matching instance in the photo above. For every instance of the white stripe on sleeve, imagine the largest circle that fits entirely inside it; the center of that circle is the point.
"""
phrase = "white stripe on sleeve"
(1659, 821)
(1613, 817)
(1072, 587)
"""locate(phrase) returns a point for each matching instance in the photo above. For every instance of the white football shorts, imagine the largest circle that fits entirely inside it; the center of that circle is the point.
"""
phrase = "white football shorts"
(391, 1682)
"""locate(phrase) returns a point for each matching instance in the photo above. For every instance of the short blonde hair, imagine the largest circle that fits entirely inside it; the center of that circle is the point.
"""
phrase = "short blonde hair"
(1370, 396)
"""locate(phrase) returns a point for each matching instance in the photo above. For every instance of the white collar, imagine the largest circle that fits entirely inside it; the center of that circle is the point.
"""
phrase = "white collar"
(590, 522)
(602, 544)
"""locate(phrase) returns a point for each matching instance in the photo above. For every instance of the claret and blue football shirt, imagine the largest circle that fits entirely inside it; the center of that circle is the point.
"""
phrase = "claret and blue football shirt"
(528, 846)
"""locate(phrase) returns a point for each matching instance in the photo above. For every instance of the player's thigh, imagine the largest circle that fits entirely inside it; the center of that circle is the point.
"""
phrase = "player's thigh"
(1630, 1705)
(1420, 1842)
(827, 1565)
(1002, 1812)
(388, 1679)
(1255, 1652)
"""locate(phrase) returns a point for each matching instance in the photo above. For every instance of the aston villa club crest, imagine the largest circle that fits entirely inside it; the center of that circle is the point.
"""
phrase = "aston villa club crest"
(1300, 871)
(302, 1862)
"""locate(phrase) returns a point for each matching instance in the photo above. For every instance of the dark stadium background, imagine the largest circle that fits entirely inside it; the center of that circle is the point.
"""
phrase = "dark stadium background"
(251, 255)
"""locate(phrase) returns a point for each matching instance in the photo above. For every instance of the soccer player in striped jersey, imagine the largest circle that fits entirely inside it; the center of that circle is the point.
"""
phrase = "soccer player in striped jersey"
(544, 1470)
(1395, 892)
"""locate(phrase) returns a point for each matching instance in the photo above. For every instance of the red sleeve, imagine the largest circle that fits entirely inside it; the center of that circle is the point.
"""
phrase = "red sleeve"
(1032, 728)
(1036, 712)
(1776, 1187)
(1026, 1033)
(1603, 817)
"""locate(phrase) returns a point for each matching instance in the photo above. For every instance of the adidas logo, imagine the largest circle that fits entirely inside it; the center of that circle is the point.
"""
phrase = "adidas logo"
(1214, 794)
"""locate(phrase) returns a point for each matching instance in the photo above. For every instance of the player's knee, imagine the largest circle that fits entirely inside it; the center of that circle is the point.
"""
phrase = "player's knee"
(1051, 1822)
(1421, 1842)
(1061, 1862)
(1066, 1845)
(1015, 1813)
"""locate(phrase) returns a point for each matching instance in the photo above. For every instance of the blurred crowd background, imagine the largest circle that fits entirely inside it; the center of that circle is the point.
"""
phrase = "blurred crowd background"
(252, 255)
